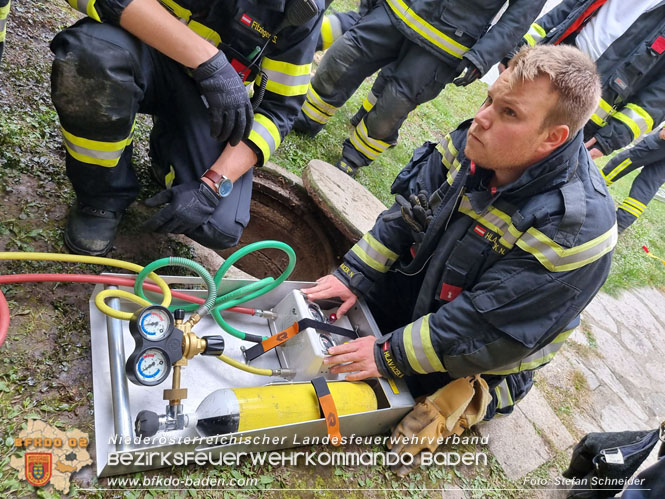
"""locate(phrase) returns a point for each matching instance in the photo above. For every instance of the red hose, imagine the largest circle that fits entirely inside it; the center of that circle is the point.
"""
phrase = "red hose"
(89, 279)
(4, 318)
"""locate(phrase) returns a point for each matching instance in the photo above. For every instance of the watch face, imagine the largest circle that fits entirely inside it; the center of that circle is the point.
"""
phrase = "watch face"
(225, 187)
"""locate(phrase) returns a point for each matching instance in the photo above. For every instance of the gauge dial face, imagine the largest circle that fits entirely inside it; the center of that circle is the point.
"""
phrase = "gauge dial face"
(155, 324)
(152, 367)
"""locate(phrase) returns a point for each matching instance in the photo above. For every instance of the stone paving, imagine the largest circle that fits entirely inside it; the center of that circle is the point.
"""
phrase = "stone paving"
(608, 377)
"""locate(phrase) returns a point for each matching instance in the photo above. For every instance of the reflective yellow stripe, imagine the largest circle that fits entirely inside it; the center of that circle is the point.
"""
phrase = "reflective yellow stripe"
(555, 258)
(495, 220)
(448, 151)
(327, 37)
(205, 32)
(538, 358)
(373, 253)
(318, 102)
(265, 135)
(87, 7)
(285, 78)
(448, 154)
(96, 152)
(535, 34)
(635, 118)
(169, 177)
(361, 147)
(636, 203)
(609, 178)
(630, 209)
(314, 114)
(377, 144)
(420, 345)
(177, 10)
(602, 113)
(503, 397)
(4, 11)
(408, 348)
(369, 101)
(426, 30)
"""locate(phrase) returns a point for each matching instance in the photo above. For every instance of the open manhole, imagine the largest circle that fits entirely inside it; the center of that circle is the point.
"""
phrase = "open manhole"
(284, 212)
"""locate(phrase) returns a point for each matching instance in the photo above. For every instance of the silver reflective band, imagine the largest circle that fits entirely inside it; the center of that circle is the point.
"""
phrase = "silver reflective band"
(93, 153)
(265, 134)
(286, 79)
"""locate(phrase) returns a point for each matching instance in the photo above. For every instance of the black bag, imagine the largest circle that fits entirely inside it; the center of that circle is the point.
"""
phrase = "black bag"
(602, 464)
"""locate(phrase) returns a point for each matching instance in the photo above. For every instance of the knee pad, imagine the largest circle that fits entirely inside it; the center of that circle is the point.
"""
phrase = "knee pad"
(336, 62)
(94, 83)
(386, 117)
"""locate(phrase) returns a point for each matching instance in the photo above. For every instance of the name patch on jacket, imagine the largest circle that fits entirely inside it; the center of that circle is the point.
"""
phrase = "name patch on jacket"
(492, 238)
(254, 25)
(390, 362)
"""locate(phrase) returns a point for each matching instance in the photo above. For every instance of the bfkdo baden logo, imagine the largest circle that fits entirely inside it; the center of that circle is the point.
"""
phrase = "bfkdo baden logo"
(38, 467)
(51, 455)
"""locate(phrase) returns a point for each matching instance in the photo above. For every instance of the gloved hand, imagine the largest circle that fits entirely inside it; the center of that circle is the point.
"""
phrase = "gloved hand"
(467, 73)
(451, 409)
(229, 109)
(190, 206)
(416, 211)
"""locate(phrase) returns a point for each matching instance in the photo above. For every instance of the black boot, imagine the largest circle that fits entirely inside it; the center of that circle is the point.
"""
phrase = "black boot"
(90, 231)
(306, 126)
(350, 170)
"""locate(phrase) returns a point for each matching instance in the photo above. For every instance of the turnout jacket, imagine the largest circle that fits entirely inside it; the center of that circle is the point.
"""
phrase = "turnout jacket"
(452, 29)
(506, 271)
(247, 32)
(632, 70)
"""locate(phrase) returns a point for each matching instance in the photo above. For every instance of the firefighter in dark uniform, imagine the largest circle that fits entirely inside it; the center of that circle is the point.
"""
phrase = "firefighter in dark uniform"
(184, 63)
(4, 12)
(649, 154)
(500, 235)
(427, 44)
(627, 42)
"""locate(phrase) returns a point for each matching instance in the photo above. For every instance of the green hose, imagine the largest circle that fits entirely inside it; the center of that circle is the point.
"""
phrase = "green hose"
(235, 297)
(189, 264)
(249, 291)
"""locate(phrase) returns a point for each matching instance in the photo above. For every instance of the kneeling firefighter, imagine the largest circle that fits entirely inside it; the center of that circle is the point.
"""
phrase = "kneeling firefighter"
(188, 64)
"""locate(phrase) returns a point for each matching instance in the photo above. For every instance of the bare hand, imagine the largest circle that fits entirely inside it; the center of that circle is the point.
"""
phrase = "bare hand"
(661, 134)
(357, 357)
(594, 152)
(502, 67)
(331, 287)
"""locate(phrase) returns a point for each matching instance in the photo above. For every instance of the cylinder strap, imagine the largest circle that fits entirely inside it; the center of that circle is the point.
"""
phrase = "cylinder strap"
(328, 409)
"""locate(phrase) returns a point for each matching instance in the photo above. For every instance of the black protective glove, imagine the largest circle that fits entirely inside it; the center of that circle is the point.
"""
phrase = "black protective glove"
(416, 211)
(190, 206)
(467, 73)
(229, 109)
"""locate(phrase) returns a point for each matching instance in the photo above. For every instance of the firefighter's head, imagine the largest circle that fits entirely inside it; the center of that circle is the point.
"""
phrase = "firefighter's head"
(539, 103)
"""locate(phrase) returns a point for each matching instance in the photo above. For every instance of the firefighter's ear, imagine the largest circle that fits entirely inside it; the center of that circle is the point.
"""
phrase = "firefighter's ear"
(554, 136)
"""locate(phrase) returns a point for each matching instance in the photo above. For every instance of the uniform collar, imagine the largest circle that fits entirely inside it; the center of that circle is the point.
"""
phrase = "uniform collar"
(547, 174)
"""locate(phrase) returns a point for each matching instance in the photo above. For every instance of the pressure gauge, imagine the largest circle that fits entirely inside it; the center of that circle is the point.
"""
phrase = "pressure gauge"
(152, 367)
(154, 323)
(158, 344)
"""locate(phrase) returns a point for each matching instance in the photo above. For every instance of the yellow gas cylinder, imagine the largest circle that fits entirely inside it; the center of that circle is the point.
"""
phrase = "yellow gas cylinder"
(241, 409)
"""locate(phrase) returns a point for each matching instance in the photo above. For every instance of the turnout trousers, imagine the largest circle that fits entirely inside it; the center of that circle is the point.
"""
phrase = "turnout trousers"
(392, 301)
(411, 77)
(649, 154)
(102, 78)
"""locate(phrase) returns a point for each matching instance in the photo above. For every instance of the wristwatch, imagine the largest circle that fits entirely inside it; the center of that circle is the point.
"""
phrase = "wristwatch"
(222, 184)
